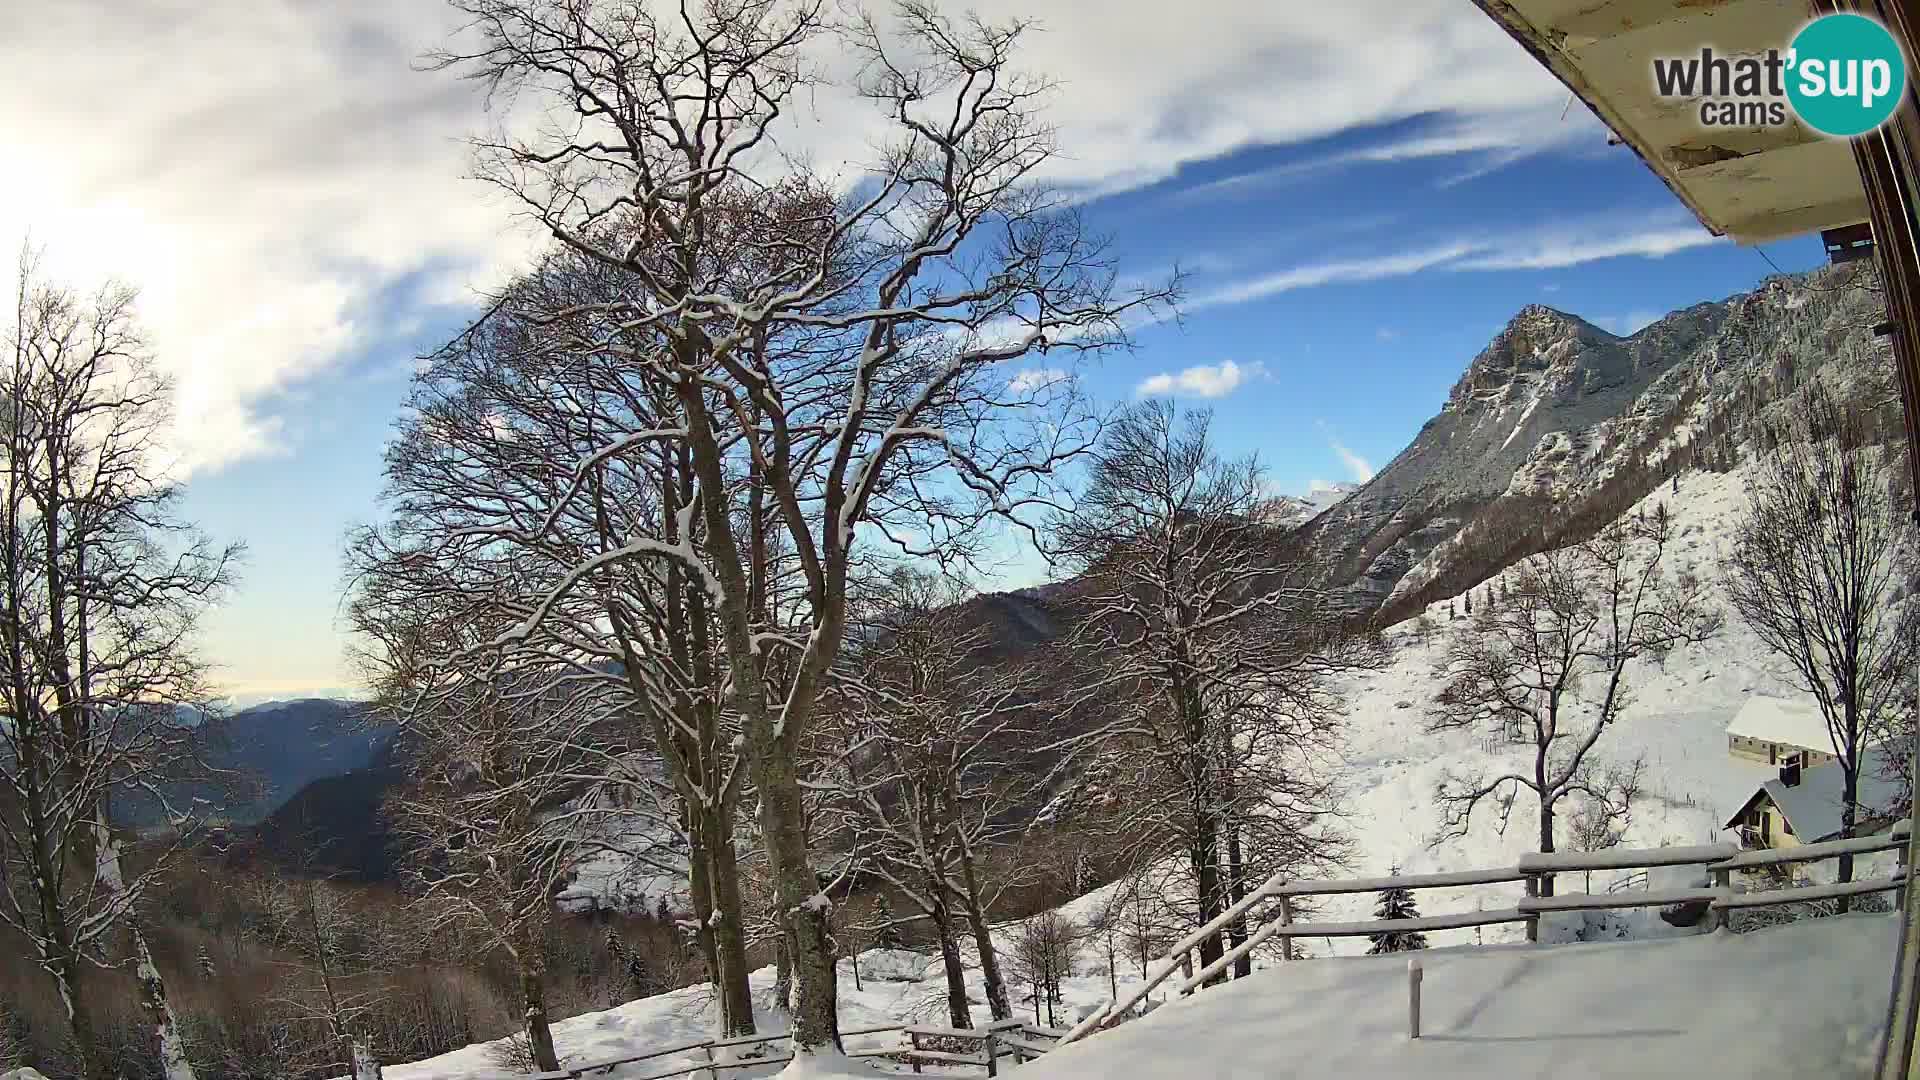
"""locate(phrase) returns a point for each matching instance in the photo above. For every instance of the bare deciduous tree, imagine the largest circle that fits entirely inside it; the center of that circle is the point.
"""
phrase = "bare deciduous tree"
(1042, 957)
(897, 422)
(102, 589)
(929, 771)
(1212, 650)
(310, 918)
(495, 760)
(1551, 663)
(1818, 563)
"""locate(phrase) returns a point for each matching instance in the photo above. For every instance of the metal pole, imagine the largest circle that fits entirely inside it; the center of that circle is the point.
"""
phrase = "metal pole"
(1414, 975)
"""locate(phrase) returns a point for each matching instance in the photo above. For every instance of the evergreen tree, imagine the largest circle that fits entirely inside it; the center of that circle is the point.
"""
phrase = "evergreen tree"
(1469, 600)
(616, 948)
(888, 936)
(664, 912)
(205, 960)
(640, 974)
(1451, 614)
(1396, 903)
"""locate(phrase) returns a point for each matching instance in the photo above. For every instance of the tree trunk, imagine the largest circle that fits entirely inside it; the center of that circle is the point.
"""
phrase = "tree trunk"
(1849, 815)
(539, 1028)
(728, 932)
(802, 908)
(770, 744)
(86, 1062)
(957, 1011)
(1206, 876)
(168, 1047)
(998, 1002)
(1237, 891)
(1546, 843)
(783, 973)
(1204, 796)
(700, 898)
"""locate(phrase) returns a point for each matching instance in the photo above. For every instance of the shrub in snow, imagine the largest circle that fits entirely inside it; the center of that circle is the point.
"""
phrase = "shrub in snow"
(513, 1053)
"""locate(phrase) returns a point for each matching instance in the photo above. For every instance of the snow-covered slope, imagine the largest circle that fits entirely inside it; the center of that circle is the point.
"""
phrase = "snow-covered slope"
(1676, 720)
(895, 987)
(1392, 763)
(1781, 1004)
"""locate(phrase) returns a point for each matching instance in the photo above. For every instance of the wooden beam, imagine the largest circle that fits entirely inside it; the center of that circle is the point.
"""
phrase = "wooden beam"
(1605, 20)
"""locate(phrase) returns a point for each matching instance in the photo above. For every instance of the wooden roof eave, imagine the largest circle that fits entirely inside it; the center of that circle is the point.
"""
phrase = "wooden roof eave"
(1753, 184)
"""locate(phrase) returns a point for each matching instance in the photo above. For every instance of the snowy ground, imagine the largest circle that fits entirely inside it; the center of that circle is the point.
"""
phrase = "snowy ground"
(1392, 763)
(1792, 1002)
(1676, 720)
(896, 986)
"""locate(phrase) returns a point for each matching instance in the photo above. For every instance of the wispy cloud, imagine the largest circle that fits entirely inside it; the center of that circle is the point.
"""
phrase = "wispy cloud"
(1386, 333)
(1335, 272)
(1496, 139)
(1554, 246)
(1553, 250)
(1201, 380)
(1358, 467)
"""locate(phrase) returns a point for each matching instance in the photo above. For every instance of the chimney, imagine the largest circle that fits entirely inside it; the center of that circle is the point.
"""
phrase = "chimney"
(1790, 772)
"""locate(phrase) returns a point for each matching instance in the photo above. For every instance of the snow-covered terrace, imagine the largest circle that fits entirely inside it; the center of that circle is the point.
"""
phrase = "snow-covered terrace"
(1797, 1001)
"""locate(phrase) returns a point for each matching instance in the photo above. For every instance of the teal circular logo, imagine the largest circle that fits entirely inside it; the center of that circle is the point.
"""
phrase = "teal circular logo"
(1845, 75)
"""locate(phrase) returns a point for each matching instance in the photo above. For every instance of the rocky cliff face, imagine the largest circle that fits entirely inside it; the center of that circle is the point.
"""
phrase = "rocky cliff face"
(1556, 411)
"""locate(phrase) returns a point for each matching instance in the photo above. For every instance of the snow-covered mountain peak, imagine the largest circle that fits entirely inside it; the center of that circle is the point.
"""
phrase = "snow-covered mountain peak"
(1557, 412)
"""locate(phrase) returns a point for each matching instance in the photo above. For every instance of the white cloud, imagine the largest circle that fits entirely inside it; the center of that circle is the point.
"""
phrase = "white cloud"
(1202, 380)
(265, 169)
(260, 170)
(1386, 333)
(1033, 379)
(1629, 324)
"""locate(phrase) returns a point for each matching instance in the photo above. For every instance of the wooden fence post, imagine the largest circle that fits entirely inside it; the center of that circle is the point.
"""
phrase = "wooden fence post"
(993, 1053)
(914, 1037)
(1286, 919)
(1414, 975)
(712, 1072)
(1186, 971)
(1722, 880)
(1533, 922)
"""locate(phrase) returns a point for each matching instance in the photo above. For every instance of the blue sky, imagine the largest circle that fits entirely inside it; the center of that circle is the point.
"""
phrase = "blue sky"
(1361, 197)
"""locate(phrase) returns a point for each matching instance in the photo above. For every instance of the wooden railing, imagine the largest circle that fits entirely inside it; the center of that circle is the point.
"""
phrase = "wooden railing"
(1013, 1042)
(1721, 861)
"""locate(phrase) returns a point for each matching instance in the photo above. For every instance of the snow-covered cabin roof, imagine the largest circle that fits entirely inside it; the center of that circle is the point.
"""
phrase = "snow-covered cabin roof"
(1812, 806)
(1792, 721)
